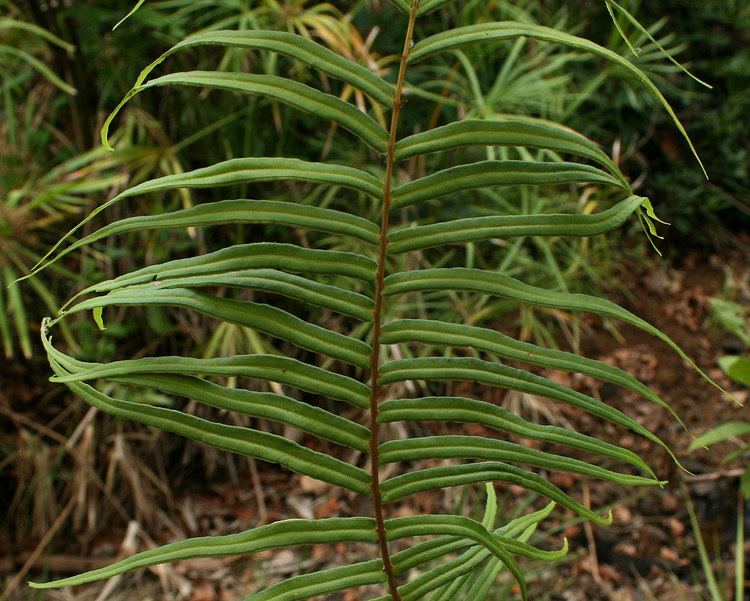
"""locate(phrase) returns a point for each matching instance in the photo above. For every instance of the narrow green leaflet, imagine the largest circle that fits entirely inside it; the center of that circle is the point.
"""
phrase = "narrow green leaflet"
(448, 571)
(324, 582)
(461, 526)
(265, 280)
(611, 3)
(288, 44)
(505, 30)
(458, 525)
(457, 409)
(484, 339)
(284, 533)
(497, 284)
(490, 506)
(476, 447)
(263, 169)
(483, 580)
(425, 552)
(240, 211)
(270, 368)
(257, 316)
(241, 257)
(245, 441)
(290, 92)
(498, 173)
(450, 590)
(486, 471)
(511, 131)
(238, 171)
(503, 376)
(473, 229)
(276, 407)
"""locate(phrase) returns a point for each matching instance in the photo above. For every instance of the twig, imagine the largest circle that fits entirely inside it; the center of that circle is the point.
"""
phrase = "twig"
(128, 547)
(593, 558)
(18, 578)
(259, 496)
(59, 564)
(713, 476)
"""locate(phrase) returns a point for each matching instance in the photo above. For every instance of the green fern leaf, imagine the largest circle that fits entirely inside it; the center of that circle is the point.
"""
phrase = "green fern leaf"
(279, 534)
(346, 328)
(474, 229)
(239, 211)
(515, 131)
(324, 582)
(497, 173)
(295, 94)
(245, 441)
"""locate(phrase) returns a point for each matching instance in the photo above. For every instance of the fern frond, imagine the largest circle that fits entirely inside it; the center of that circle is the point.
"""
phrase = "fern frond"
(359, 272)
(498, 173)
(324, 582)
(272, 368)
(284, 533)
(497, 284)
(483, 339)
(475, 229)
(292, 93)
(285, 284)
(475, 447)
(510, 131)
(484, 471)
(245, 441)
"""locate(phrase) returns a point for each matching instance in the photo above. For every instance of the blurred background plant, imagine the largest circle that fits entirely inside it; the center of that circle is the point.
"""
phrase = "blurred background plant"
(730, 314)
(734, 318)
(724, 582)
(712, 39)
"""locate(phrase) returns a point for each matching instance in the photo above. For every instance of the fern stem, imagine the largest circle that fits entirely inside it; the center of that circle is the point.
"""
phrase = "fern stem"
(376, 394)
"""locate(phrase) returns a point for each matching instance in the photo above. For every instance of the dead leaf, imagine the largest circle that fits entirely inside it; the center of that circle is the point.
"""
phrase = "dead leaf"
(203, 592)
